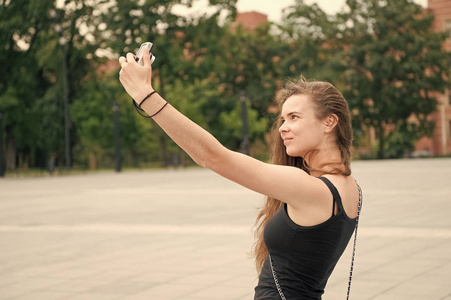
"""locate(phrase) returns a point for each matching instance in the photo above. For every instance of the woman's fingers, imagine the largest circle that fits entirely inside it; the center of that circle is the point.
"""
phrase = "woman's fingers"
(130, 57)
(122, 61)
(146, 57)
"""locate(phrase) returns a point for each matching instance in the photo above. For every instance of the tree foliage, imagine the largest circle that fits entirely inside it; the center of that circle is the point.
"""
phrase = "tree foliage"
(381, 54)
(394, 65)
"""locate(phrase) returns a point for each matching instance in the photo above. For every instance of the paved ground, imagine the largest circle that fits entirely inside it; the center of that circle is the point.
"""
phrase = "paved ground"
(186, 234)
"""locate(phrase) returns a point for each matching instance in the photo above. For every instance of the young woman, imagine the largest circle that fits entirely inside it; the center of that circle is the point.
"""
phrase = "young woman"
(312, 200)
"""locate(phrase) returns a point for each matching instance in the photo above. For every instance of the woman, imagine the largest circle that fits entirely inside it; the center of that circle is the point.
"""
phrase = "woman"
(313, 202)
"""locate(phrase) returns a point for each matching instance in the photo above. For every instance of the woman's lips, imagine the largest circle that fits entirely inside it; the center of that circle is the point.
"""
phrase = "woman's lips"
(286, 140)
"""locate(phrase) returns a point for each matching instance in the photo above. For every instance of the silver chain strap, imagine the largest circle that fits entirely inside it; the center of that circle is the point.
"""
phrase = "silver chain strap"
(276, 280)
(355, 239)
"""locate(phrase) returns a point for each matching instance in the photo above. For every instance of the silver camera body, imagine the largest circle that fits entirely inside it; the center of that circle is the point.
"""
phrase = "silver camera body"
(139, 54)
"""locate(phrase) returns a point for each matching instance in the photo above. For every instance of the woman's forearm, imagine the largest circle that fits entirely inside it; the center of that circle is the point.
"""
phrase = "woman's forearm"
(203, 148)
(198, 143)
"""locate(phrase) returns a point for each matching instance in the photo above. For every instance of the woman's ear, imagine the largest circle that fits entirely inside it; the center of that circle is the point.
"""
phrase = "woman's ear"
(330, 122)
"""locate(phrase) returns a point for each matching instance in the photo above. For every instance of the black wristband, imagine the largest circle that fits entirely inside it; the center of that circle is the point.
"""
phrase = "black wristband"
(140, 110)
(145, 98)
(159, 110)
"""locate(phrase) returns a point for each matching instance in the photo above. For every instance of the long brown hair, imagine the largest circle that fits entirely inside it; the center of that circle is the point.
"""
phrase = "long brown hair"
(327, 100)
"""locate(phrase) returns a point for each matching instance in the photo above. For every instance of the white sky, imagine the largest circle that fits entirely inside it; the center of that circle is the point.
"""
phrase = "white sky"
(273, 8)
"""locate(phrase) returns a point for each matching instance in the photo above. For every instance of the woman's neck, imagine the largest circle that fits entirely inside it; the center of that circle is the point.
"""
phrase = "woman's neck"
(324, 161)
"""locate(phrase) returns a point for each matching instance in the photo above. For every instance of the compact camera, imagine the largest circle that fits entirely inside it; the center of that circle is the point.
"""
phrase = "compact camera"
(139, 54)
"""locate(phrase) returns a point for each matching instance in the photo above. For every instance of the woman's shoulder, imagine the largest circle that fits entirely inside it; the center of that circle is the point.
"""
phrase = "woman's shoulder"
(348, 190)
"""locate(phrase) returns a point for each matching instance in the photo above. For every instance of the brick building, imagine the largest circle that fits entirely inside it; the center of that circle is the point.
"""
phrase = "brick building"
(440, 143)
(249, 20)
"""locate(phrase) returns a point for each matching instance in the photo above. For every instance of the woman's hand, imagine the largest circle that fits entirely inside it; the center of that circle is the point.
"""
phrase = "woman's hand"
(136, 79)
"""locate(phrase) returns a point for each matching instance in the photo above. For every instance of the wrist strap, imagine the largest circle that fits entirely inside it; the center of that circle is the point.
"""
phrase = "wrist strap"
(159, 110)
(141, 111)
(147, 97)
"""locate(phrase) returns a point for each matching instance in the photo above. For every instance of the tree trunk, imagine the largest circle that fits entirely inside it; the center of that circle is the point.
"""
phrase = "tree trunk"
(10, 153)
(381, 133)
(92, 161)
(162, 136)
(164, 155)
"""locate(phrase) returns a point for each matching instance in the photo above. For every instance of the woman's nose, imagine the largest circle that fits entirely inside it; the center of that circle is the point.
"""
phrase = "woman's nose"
(283, 128)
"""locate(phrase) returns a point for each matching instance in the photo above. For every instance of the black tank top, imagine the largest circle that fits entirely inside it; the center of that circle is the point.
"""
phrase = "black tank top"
(303, 256)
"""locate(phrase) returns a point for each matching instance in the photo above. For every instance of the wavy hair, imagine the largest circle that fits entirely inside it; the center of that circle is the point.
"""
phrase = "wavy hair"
(327, 100)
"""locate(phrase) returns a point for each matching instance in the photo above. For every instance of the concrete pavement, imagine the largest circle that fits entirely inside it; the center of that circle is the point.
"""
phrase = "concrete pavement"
(187, 234)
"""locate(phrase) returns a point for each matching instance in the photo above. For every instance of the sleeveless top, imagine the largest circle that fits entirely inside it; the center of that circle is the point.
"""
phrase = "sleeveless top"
(303, 257)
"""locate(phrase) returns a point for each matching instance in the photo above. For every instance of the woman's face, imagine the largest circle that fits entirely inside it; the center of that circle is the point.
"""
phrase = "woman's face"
(301, 131)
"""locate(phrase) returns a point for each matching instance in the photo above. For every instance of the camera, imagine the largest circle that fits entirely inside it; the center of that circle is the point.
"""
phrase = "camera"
(139, 54)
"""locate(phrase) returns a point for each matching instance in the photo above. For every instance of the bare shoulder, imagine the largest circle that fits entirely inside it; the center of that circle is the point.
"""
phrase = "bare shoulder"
(349, 192)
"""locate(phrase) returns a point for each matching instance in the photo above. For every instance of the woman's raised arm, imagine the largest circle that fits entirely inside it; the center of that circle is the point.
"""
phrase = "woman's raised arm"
(288, 184)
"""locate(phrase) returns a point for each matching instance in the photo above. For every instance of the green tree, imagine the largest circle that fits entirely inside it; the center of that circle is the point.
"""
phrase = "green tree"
(93, 113)
(31, 82)
(250, 62)
(311, 38)
(394, 64)
(21, 80)
(306, 42)
(252, 65)
(257, 126)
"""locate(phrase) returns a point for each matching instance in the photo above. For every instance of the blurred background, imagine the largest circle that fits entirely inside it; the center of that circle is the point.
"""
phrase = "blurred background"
(62, 107)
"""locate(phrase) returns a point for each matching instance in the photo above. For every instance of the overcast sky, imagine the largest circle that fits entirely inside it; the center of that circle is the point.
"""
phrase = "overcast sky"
(273, 8)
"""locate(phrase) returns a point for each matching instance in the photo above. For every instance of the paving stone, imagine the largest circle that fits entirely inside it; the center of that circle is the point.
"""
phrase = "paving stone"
(186, 234)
